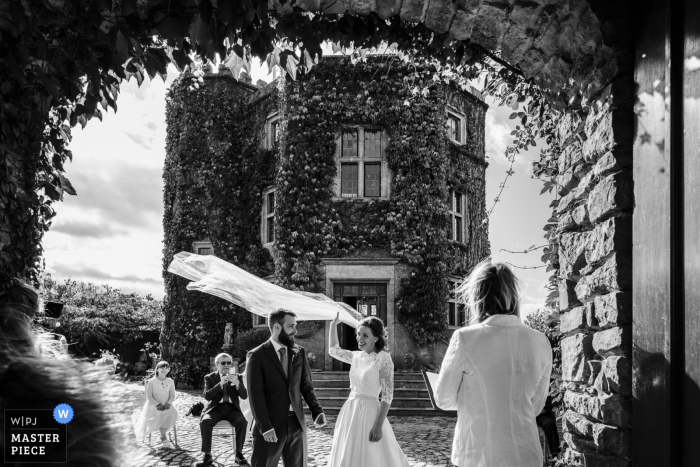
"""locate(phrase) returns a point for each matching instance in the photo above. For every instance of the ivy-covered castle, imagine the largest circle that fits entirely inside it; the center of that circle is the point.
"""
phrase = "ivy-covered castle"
(364, 182)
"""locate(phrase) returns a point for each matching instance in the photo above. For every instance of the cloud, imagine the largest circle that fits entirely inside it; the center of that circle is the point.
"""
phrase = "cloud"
(145, 143)
(126, 195)
(151, 126)
(497, 138)
(82, 229)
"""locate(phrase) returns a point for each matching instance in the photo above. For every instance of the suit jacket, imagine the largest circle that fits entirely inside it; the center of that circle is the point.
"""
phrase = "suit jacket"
(271, 392)
(214, 392)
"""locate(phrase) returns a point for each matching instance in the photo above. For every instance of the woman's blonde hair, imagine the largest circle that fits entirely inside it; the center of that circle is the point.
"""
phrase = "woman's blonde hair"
(490, 289)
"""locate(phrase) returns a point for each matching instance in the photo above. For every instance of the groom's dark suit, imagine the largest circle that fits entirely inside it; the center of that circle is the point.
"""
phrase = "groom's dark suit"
(271, 393)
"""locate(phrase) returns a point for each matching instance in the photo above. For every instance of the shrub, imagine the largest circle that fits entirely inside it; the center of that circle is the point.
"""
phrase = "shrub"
(96, 317)
(250, 339)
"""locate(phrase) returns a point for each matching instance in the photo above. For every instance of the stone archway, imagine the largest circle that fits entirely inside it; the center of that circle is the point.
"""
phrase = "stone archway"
(629, 210)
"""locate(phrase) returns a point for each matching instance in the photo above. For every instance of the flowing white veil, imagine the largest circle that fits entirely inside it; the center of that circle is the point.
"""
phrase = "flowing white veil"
(215, 276)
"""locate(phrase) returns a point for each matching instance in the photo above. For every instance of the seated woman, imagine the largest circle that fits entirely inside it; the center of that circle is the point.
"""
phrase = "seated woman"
(158, 412)
(32, 378)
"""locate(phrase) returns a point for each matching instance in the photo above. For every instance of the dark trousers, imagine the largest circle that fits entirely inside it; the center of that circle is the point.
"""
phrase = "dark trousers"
(223, 411)
(290, 447)
(548, 422)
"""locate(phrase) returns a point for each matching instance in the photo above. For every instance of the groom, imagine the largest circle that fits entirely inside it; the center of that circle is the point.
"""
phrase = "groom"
(278, 376)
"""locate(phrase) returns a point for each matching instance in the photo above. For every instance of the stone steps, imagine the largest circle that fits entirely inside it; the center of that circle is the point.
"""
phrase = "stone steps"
(410, 394)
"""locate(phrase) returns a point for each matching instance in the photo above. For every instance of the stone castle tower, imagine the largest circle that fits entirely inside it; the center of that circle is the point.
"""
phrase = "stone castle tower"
(364, 182)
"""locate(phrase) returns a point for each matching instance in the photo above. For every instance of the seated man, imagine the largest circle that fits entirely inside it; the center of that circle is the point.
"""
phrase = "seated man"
(548, 422)
(222, 390)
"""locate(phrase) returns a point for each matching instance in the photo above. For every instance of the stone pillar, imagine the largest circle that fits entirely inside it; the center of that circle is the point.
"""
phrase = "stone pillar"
(595, 258)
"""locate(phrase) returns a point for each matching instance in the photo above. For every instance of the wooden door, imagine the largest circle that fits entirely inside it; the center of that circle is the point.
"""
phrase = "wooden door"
(666, 282)
(367, 298)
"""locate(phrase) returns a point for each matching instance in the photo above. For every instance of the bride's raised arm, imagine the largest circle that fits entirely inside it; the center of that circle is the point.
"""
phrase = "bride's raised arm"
(334, 349)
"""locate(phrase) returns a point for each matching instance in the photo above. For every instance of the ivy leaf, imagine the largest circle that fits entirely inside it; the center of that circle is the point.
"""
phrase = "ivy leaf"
(513, 115)
(66, 185)
(53, 192)
(171, 28)
(128, 7)
(199, 32)
(120, 53)
(235, 63)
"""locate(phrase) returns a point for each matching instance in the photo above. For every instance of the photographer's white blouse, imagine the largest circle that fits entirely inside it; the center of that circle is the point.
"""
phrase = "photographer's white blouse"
(496, 375)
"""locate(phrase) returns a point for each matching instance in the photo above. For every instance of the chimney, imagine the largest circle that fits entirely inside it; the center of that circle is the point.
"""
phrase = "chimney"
(245, 77)
(223, 70)
(261, 83)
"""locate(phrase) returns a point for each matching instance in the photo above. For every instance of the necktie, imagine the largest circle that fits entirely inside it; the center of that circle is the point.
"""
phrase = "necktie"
(283, 360)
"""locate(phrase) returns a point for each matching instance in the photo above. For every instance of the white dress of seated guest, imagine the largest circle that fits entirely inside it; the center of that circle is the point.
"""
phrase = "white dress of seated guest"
(370, 375)
(152, 419)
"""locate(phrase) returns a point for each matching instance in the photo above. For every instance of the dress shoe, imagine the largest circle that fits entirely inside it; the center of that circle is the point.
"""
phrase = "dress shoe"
(206, 461)
(240, 460)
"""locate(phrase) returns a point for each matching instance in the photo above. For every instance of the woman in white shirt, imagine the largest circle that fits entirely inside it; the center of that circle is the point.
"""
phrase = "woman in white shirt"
(495, 374)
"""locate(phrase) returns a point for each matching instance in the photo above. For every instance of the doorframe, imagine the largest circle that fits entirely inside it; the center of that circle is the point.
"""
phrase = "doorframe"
(364, 270)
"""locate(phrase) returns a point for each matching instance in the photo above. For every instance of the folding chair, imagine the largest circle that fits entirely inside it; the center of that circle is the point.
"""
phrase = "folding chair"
(226, 425)
(145, 390)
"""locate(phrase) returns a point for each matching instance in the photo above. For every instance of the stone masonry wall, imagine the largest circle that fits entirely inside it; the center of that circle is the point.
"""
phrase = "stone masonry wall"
(595, 279)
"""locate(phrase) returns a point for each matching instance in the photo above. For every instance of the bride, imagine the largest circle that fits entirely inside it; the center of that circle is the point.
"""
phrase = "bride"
(363, 435)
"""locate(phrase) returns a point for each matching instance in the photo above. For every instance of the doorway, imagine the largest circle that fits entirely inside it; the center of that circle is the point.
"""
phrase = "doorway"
(367, 298)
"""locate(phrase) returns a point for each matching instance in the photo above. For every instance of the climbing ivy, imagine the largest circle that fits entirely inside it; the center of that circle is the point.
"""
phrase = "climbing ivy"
(408, 104)
(215, 173)
(62, 59)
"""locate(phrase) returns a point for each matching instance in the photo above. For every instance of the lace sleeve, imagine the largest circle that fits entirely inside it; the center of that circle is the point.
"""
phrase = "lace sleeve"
(340, 354)
(386, 376)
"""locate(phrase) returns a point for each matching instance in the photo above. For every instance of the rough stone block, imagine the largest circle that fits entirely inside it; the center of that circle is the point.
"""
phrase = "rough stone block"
(566, 182)
(615, 234)
(490, 25)
(612, 195)
(567, 295)
(614, 275)
(611, 409)
(388, 8)
(463, 20)
(574, 458)
(612, 439)
(519, 36)
(580, 215)
(613, 161)
(614, 309)
(576, 352)
(578, 319)
(565, 222)
(613, 341)
(572, 258)
(568, 201)
(413, 11)
(595, 367)
(613, 127)
(617, 372)
(569, 158)
(578, 424)
(362, 7)
(438, 15)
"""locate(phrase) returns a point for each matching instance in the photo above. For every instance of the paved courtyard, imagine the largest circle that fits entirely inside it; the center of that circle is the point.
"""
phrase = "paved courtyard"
(427, 441)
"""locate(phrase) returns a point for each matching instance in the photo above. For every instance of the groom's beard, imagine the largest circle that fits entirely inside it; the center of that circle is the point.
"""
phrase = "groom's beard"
(286, 339)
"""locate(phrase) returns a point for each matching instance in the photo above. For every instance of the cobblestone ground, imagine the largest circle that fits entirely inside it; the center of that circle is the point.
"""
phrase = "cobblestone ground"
(427, 441)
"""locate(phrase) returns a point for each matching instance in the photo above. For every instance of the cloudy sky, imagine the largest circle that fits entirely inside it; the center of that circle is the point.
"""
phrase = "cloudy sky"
(111, 233)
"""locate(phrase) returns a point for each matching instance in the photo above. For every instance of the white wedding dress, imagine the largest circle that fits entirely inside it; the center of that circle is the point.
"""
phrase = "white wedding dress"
(370, 376)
